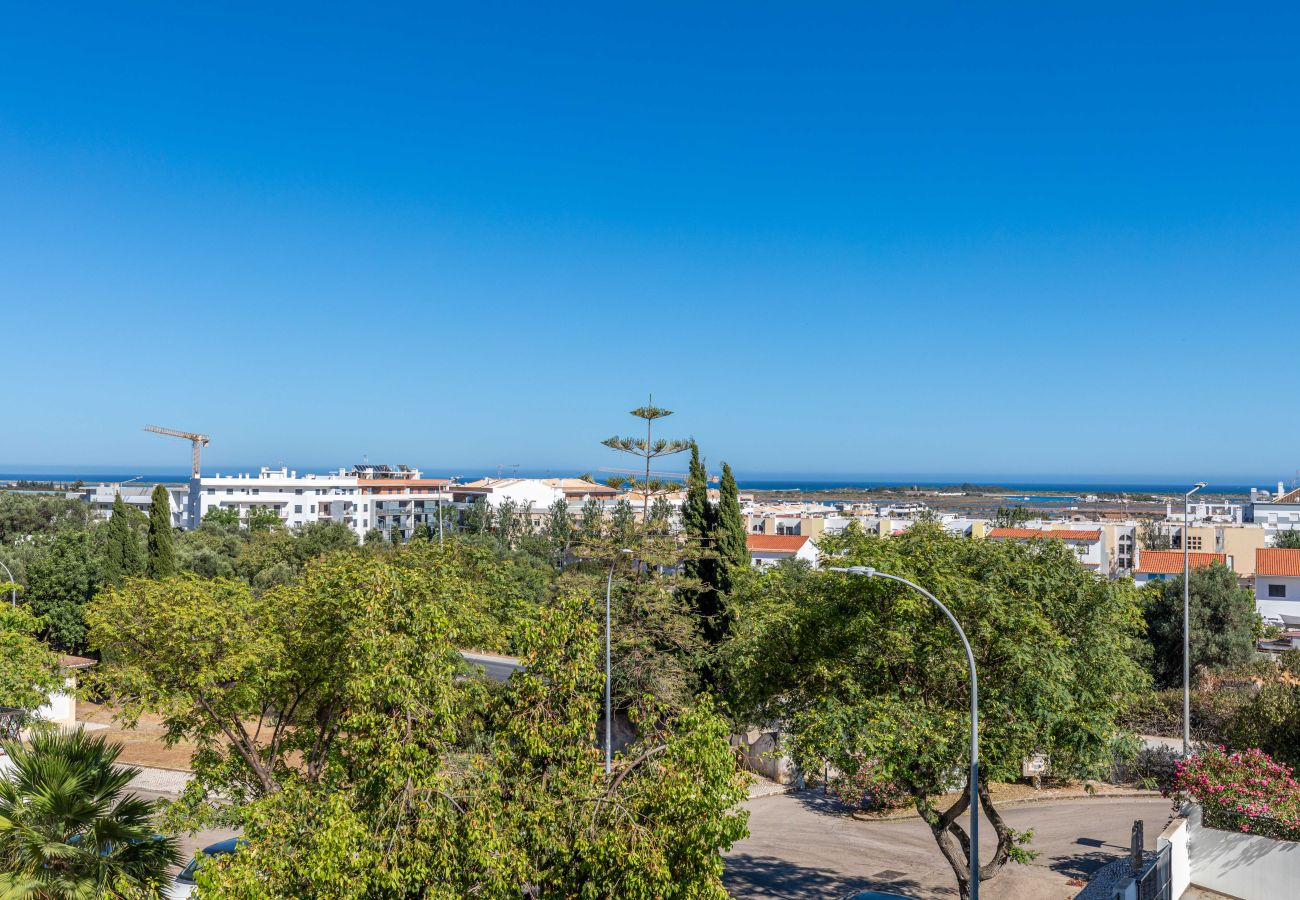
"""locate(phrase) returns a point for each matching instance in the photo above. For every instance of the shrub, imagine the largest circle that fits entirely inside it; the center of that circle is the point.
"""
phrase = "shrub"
(1213, 709)
(1153, 768)
(865, 788)
(1245, 791)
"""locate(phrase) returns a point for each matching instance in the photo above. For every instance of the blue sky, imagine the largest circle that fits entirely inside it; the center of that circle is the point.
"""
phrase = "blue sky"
(835, 239)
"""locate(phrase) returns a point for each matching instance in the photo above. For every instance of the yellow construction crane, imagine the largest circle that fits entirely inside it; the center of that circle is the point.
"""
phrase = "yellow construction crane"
(197, 443)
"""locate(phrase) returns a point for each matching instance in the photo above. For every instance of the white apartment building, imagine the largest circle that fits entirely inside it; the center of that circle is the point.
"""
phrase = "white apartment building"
(1276, 513)
(362, 498)
(771, 549)
(140, 496)
(1088, 544)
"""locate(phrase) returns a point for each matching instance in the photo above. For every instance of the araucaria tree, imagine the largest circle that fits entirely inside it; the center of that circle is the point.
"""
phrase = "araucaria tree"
(162, 555)
(866, 675)
(649, 449)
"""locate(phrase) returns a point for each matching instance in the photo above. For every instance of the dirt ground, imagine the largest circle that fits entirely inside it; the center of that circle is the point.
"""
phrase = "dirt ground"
(142, 745)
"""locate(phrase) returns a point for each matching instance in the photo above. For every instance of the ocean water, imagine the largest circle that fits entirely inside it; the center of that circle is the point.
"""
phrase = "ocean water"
(1014, 489)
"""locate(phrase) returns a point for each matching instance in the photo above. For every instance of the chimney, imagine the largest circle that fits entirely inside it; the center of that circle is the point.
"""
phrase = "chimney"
(1281, 489)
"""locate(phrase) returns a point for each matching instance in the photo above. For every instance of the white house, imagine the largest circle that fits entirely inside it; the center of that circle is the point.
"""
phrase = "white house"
(1089, 545)
(770, 549)
(1161, 565)
(1277, 584)
(140, 496)
(1279, 513)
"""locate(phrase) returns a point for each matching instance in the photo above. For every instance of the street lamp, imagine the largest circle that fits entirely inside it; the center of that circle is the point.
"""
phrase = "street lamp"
(1187, 629)
(609, 741)
(13, 592)
(974, 876)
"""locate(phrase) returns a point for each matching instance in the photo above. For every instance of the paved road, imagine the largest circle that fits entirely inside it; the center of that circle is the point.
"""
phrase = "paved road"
(803, 846)
(497, 668)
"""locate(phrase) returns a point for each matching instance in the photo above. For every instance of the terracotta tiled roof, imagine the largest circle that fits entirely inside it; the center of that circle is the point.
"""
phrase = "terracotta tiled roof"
(777, 543)
(1277, 561)
(1170, 562)
(1063, 534)
(68, 661)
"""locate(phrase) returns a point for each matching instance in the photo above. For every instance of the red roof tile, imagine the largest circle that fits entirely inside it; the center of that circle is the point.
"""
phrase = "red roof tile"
(1170, 562)
(1063, 534)
(769, 543)
(1277, 561)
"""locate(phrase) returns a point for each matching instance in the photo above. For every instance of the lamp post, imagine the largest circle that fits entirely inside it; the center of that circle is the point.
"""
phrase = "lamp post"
(974, 876)
(609, 729)
(1187, 628)
(13, 592)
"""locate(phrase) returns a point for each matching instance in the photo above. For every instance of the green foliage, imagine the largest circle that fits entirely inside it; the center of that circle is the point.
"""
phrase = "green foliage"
(380, 770)
(733, 536)
(62, 576)
(498, 795)
(560, 529)
(1011, 517)
(1151, 536)
(262, 518)
(1287, 538)
(866, 669)
(422, 532)
(1223, 624)
(374, 537)
(221, 515)
(162, 553)
(68, 829)
(27, 515)
(122, 557)
(648, 449)
(28, 670)
(1270, 721)
(395, 535)
(478, 517)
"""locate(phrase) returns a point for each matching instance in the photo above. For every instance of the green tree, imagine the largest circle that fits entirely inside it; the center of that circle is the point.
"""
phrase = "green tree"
(559, 529)
(122, 557)
(61, 579)
(1151, 536)
(28, 515)
(1223, 625)
(374, 537)
(395, 535)
(478, 517)
(221, 515)
(454, 791)
(1287, 538)
(648, 449)
(319, 538)
(422, 532)
(733, 536)
(68, 829)
(28, 670)
(592, 524)
(1011, 517)
(262, 518)
(866, 673)
(162, 554)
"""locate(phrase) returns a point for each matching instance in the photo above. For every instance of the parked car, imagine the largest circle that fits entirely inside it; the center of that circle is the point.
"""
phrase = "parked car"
(182, 885)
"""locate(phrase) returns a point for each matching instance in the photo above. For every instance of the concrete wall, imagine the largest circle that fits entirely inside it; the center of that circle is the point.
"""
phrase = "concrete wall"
(1176, 837)
(760, 750)
(1241, 865)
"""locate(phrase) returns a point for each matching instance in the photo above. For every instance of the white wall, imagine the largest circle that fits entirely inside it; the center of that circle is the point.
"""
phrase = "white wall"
(1241, 865)
(1272, 607)
(61, 707)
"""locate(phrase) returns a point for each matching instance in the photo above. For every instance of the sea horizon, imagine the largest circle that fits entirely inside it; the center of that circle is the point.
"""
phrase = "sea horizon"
(764, 481)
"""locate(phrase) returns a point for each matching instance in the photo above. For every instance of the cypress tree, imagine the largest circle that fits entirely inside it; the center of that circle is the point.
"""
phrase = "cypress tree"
(162, 555)
(122, 558)
(732, 536)
(696, 513)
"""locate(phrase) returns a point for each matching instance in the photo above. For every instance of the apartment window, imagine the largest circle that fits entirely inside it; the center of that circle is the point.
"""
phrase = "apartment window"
(298, 491)
(230, 490)
(211, 491)
(298, 508)
(1277, 591)
(313, 507)
(257, 490)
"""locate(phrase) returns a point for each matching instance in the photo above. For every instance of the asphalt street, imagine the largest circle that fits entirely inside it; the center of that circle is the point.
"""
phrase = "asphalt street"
(804, 846)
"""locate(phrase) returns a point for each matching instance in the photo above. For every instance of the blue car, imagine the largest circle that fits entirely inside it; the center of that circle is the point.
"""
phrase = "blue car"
(182, 885)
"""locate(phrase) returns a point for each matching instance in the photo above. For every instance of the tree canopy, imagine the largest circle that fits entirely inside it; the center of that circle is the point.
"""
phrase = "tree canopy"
(867, 673)
(1223, 624)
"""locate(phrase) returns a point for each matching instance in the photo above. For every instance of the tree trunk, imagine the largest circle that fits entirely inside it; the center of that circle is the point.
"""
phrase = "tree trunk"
(954, 842)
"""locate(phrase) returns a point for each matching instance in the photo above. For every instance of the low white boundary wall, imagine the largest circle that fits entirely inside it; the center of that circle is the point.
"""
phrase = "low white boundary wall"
(1240, 865)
